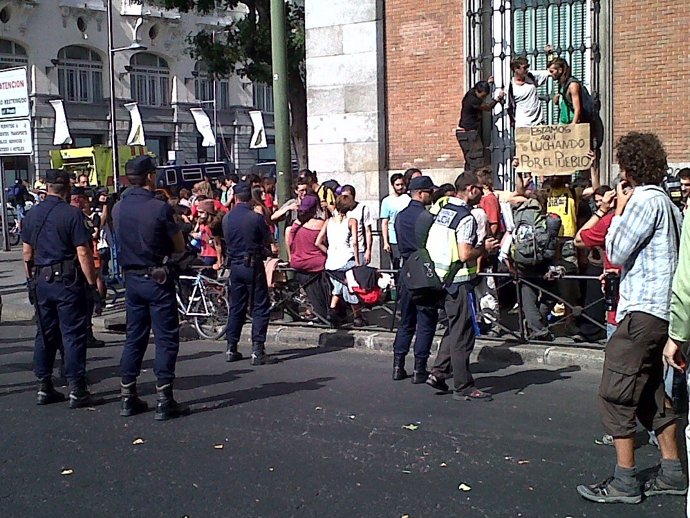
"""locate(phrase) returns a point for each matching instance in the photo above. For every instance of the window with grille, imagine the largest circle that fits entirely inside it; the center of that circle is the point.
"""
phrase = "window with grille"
(203, 87)
(12, 55)
(80, 75)
(150, 80)
(263, 97)
(499, 30)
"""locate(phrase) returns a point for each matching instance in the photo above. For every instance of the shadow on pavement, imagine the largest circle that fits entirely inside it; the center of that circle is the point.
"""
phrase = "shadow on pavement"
(519, 381)
(15, 349)
(295, 354)
(265, 391)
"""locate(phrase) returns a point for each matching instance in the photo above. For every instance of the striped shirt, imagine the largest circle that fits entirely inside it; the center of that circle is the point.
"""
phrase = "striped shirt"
(644, 240)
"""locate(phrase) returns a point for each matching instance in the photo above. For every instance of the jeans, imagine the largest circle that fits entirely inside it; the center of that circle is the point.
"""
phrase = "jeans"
(536, 307)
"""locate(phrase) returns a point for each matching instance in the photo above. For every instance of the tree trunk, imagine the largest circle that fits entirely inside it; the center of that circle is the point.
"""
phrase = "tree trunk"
(297, 97)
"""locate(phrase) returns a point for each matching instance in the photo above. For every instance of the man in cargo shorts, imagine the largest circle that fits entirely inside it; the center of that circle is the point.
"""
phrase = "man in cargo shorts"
(643, 238)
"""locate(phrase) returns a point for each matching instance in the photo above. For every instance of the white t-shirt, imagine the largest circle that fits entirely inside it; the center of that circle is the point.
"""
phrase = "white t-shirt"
(363, 216)
(528, 110)
(339, 243)
(390, 206)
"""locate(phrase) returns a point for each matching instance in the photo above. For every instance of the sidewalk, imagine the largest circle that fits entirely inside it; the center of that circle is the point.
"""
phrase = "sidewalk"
(563, 353)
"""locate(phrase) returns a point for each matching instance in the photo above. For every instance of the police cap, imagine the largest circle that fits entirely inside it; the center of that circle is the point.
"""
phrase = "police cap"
(242, 188)
(140, 166)
(56, 176)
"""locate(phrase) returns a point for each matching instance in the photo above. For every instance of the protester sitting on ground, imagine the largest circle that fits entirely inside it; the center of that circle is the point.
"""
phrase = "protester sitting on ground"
(362, 217)
(341, 255)
(308, 259)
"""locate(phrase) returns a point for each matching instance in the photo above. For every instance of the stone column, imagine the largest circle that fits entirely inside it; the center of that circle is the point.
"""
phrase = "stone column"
(345, 97)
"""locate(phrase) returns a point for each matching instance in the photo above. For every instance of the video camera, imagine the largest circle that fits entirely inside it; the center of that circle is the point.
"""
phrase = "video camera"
(671, 185)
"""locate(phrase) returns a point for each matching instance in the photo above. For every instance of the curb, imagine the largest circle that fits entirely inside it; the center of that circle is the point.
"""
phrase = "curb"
(511, 353)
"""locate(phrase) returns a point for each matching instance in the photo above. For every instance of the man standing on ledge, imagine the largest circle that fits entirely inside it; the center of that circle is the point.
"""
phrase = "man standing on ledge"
(247, 240)
(469, 128)
(148, 236)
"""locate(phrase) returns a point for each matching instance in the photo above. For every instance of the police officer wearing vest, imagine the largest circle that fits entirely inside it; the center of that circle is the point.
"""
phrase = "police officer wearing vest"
(411, 226)
(455, 252)
(247, 241)
(57, 237)
(147, 236)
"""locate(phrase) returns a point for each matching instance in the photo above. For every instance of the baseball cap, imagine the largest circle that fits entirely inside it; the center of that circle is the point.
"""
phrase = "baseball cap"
(56, 176)
(140, 166)
(422, 183)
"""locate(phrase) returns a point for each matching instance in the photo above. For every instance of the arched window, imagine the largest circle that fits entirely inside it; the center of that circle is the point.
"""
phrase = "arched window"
(80, 75)
(150, 79)
(12, 55)
(203, 87)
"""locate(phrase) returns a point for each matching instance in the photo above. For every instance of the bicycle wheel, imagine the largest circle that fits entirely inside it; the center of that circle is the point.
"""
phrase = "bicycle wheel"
(15, 237)
(212, 327)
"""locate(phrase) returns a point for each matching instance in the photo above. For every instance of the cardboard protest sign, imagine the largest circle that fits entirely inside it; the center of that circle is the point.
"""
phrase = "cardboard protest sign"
(553, 150)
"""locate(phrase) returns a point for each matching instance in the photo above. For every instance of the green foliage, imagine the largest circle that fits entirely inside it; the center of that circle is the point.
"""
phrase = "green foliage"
(244, 46)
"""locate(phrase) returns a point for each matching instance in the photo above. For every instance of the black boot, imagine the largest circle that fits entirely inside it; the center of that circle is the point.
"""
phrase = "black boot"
(232, 355)
(47, 393)
(79, 395)
(166, 406)
(259, 356)
(399, 367)
(92, 342)
(130, 403)
(420, 373)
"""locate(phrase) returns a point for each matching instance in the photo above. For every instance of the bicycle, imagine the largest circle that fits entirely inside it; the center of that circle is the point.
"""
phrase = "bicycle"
(207, 304)
(12, 226)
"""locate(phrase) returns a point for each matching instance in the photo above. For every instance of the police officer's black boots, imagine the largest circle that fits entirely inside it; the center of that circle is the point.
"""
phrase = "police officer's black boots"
(91, 341)
(79, 395)
(420, 373)
(166, 406)
(47, 393)
(232, 354)
(130, 403)
(259, 356)
(399, 367)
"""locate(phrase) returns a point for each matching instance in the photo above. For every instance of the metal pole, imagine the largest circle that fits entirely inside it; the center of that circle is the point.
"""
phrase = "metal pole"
(113, 118)
(215, 109)
(3, 201)
(281, 114)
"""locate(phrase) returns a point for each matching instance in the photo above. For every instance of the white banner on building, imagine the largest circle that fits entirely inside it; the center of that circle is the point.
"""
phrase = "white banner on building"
(203, 125)
(259, 134)
(61, 135)
(136, 133)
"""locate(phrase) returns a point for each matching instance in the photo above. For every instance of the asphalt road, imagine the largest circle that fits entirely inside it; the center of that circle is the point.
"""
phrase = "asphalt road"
(321, 434)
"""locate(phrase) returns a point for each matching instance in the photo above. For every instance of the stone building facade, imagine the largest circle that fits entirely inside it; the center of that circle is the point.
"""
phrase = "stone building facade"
(64, 44)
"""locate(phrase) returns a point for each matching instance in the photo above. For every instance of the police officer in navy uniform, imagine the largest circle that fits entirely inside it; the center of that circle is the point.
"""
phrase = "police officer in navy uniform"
(412, 227)
(147, 236)
(57, 241)
(247, 238)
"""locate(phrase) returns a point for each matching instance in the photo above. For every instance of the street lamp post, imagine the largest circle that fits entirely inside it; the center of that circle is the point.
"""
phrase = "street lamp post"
(113, 119)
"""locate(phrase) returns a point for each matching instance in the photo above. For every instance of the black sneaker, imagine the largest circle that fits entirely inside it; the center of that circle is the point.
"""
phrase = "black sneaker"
(606, 493)
(658, 485)
(437, 383)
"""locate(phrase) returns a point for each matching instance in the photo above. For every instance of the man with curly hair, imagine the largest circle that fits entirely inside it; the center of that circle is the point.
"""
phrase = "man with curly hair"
(643, 238)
